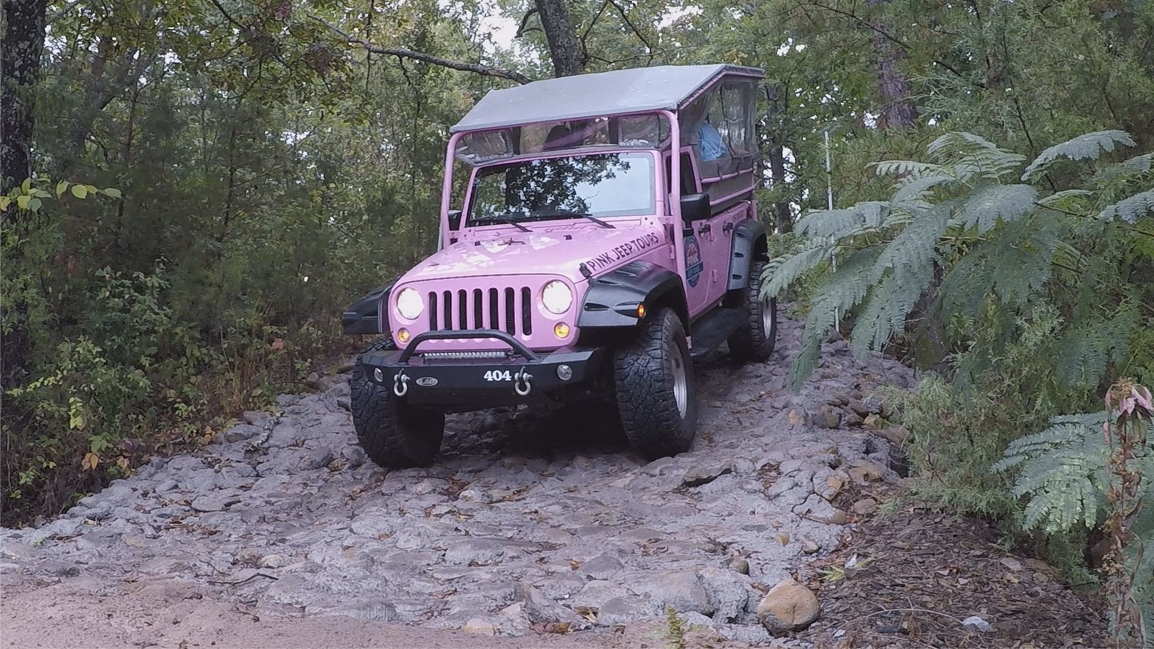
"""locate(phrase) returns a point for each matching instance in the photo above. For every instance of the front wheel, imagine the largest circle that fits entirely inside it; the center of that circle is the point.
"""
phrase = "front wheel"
(755, 339)
(394, 434)
(656, 395)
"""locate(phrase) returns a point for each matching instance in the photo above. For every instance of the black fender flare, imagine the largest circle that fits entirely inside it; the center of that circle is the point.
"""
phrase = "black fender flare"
(750, 238)
(367, 315)
(613, 298)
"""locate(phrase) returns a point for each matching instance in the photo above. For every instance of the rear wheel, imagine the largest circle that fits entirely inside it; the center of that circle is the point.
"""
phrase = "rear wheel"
(393, 433)
(655, 392)
(755, 340)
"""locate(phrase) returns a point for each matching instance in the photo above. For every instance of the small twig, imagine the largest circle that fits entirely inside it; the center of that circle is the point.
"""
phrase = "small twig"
(241, 581)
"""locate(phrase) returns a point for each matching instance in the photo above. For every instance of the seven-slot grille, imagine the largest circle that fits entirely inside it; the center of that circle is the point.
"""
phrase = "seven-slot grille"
(505, 309)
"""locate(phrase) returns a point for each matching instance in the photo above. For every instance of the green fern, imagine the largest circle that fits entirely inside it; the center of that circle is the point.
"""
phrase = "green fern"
(902, 168)
(1062, 473)
(989, 204)
(1088, 146)
(997, 244)
(780, 273)
(1130, 209)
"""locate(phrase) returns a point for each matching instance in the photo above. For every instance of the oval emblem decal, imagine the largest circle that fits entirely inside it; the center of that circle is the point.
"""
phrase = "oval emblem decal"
(427, 381)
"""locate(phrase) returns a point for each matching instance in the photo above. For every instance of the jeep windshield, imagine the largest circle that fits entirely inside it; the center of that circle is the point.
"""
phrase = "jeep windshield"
(594, 185)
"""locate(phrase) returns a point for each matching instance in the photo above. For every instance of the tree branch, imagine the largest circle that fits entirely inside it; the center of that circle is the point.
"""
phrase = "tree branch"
(403, 53)
(636, 32)
(889, 37)
(522, 28)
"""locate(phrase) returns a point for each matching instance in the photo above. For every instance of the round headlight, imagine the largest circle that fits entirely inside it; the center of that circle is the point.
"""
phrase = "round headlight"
(409, 304)
(557, 297)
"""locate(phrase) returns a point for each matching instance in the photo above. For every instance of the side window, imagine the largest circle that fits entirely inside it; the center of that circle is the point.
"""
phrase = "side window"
(738, 110)
(688, 177)
(713, 133)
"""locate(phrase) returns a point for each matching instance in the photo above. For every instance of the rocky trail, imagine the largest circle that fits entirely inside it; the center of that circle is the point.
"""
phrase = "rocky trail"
(531, 524)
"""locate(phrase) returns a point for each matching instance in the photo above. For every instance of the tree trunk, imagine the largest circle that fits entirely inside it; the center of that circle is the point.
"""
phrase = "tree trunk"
(20, 49)
(563, 48)
(898, 110)
(782, 217)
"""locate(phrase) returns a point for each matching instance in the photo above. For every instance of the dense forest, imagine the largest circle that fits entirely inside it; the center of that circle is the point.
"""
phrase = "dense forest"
(193, 189)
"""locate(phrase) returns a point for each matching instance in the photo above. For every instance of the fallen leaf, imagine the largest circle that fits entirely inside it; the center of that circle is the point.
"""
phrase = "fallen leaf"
(1012, 564)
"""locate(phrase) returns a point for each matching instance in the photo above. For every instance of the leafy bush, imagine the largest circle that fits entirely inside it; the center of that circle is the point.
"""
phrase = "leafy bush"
(1092, 470)
(1032, 283)
(956, 230)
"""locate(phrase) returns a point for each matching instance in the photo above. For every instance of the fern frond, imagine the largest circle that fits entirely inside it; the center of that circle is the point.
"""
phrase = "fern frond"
(1132, 167)
(1088, 146)
(914, 246)
(839, 292)
(889, 304)
(904, 168)
(781, 272)
(958, 142)
(842, 223)
(915, 190)
(973, 156)
(1062, 472)
(1068, 200)
(990, 203)
(1012, 267)
(1130, 209)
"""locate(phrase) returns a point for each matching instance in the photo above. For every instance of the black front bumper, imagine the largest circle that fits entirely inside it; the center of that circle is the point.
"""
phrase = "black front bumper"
(516, 376)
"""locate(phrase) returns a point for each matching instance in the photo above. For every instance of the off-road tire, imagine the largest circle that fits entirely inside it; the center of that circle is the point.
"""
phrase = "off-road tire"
(393, 434)
(753, 341)
(645, 377)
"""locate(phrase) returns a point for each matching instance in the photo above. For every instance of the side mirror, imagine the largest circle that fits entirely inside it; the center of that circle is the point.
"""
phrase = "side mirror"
(454, 219)
(695, 207)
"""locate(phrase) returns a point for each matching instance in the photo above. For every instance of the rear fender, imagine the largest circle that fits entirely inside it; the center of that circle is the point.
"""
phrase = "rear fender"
(368, 315)
(749, 241)
(612, 299)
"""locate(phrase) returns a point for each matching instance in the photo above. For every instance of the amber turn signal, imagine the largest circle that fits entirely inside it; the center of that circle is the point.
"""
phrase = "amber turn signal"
(640, 310)
(403, 335)
(561, 330)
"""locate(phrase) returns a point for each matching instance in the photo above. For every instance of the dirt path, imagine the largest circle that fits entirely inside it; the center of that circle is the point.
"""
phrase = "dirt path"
(528, 519)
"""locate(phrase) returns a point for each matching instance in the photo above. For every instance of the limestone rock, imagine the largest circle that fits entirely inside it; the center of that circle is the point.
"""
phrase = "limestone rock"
(681, 591)
(319, 458)
(788, 606)
(479, 627)
(700, 475)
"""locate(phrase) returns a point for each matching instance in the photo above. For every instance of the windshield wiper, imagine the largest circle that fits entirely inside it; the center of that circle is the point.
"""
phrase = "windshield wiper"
(584, 215)
(508, 220)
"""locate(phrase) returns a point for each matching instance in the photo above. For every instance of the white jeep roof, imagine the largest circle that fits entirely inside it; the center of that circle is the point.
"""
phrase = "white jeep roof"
(583, 96)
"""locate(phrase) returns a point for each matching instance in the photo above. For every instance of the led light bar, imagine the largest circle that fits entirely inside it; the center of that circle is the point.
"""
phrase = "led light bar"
(458, 356)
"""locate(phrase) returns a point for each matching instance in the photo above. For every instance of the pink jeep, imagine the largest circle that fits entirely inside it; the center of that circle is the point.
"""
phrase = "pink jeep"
(606, 235)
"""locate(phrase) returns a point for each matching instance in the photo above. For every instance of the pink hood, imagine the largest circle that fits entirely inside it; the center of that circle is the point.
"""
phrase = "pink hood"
(549, 248)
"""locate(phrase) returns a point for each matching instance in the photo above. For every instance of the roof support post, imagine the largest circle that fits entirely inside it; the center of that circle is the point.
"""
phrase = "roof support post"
(675, 198)
(447, 191)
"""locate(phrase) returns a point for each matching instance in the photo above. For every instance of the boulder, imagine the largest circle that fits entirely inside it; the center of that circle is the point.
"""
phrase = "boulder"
(788, 606)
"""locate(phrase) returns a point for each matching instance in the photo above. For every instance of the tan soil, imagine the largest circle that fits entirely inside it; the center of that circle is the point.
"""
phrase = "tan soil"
(82, 614)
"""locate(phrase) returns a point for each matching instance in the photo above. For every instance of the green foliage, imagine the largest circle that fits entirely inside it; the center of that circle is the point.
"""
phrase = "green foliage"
(1062, 470)
(994, 246)
(1089, 146)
